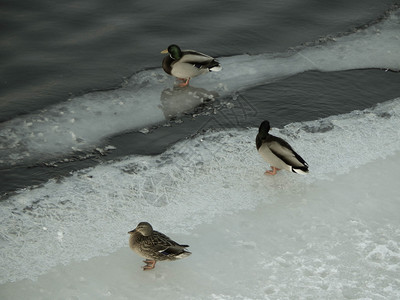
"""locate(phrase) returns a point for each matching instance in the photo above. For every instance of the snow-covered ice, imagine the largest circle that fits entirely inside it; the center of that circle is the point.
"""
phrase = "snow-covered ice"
(333, 239)
(333, 234)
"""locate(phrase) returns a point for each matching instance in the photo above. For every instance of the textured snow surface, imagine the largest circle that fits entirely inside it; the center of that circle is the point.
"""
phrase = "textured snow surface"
(333, 233)
(331, 239)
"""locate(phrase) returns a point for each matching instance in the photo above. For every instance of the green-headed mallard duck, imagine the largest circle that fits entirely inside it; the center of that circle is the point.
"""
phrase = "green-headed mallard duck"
(278, 153)
(187, 63)
(154, 245)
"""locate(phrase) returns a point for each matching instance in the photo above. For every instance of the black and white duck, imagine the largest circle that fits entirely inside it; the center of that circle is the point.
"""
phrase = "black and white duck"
(278, 153)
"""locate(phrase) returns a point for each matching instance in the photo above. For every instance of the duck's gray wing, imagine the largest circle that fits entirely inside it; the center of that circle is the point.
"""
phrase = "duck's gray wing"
(285, 152)
(199, 60)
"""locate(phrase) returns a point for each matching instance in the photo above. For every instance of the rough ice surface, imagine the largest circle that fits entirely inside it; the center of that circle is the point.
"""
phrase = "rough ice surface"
(332, 234)
(83, 122)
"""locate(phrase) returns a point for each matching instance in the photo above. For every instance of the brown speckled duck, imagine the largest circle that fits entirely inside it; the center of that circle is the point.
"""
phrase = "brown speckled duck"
(278, 153)
(154, 246)
(186, 64)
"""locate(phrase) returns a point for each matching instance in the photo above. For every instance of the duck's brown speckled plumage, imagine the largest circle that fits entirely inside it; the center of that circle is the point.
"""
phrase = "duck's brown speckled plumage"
(154, 245)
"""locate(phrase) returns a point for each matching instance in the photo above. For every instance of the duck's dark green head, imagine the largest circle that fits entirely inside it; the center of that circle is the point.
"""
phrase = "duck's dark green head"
(264, 128)
(174, 51)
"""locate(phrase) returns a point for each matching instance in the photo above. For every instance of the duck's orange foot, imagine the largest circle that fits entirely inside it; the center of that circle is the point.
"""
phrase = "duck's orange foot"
(271, 172)
(185, 83)
(150, 264)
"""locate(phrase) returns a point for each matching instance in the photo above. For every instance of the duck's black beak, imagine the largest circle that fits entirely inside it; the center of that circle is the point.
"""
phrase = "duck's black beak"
(132, 231)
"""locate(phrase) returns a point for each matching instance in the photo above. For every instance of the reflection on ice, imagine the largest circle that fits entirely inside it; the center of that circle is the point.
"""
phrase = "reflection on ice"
(177, 101)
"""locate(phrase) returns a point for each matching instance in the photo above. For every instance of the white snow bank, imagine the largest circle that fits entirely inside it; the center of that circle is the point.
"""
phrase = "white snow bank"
(334, 239)
(194, 183)
(82, 123)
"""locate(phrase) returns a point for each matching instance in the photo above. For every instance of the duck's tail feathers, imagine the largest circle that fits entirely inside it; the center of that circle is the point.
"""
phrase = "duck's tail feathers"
(214, 66)
(300, 170)
(183, 254)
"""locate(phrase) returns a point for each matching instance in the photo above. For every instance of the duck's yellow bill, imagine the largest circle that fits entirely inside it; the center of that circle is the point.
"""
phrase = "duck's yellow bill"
(164, 51)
